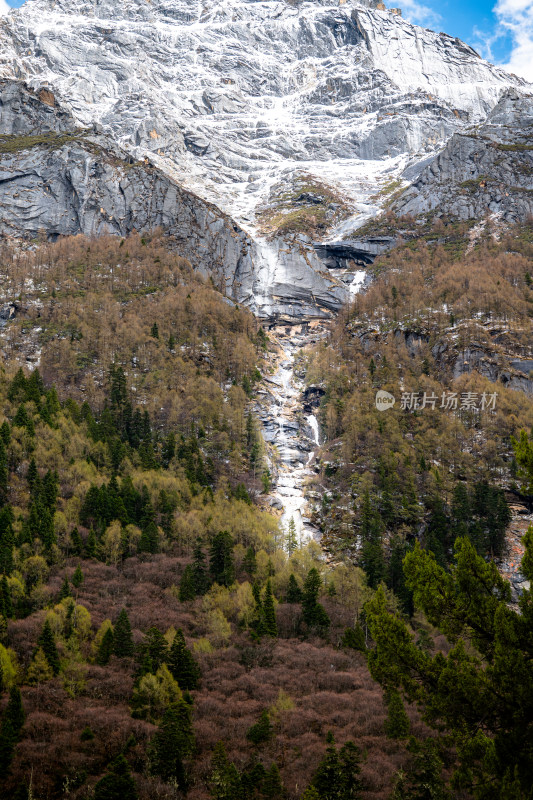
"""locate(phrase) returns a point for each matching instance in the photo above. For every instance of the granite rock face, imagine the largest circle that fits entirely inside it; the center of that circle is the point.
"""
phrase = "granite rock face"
(232, 94)
(227, 99)
(481, 171)
(61, 180)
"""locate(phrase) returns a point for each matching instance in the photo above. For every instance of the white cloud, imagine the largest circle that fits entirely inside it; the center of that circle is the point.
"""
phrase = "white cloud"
(418, 13)
(4, 8)
(515, 17)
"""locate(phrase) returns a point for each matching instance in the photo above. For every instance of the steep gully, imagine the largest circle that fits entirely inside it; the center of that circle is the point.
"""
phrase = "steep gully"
(290, 428)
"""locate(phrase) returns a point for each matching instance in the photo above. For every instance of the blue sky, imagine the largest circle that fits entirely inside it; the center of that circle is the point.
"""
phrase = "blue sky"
(500, 30)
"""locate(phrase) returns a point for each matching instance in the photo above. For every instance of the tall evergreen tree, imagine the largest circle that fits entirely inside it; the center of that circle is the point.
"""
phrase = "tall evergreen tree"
(173, 742)
(106, 648)
(269, 611)
(187, 585)
(117, 784)
(225, 781)
(47, 642)
(199, 569)
(12, 723)
(123, 639)
(272, 788)
(314, 613)
(261, 731)
(6, 603)
(294, 593)
(77, 578)
(221, 564)
(291, 542)
(182, 664)
(397, 722)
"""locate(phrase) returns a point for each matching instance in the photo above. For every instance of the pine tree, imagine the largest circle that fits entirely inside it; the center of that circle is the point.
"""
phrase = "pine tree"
(117, 784)
(397, 722)
(5, 433)
(261, 731)
(6, 603)
(156, 647)
(337, 776)
(15, 710)
(39, 670)
(313, 612)
(12, 723)
(249, 562)
(187, 587)
(77, 544)
(269, 612)
(272, 785)
(172, 743)
(310, 794)
(225, 781)
(290, 540)
(154, 331)
(77, 578)
(47, 642)
(294, 593)
(91, 546)
(123, 640)
(4, 473)
(354, 638)
(64, 592)
(106, 648)
(7, 539)
(199, 570)
(182, 664)
(221, 564)
(327, 776)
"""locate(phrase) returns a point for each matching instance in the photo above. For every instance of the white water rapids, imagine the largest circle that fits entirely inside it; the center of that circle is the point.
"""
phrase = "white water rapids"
(292, 434)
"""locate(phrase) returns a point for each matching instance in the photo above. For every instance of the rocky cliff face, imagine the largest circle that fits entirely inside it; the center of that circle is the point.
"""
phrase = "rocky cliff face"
(63, 180)
(488, 169)
(232, 100)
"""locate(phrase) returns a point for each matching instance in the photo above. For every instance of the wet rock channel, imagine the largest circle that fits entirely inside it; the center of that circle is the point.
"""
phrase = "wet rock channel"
(290, 428)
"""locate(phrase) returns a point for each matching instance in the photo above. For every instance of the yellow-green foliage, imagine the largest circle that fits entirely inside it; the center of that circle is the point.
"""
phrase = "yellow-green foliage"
(8, 662)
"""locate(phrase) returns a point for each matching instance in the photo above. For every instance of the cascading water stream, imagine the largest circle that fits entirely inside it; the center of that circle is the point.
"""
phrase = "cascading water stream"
(293, 437)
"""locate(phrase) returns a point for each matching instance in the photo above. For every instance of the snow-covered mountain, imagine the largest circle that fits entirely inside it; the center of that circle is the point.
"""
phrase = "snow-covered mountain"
(235, 100)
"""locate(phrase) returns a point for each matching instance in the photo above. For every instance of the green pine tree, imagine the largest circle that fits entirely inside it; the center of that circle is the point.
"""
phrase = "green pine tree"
(173, 742)
(106, 648)
(6, 603)
(64, 592)
(182, 664)
(77, 578)
(272, 788)
(269, 611)
(117, 784)
(123, 639)
(199, 570)
(354, 638)
(47, 642)
(76, 541)
(294, 593)
(187, 585)
(261, 731)
(221, 564)
(291, 542)
(224, 781)
(313, 612)
(397, 722)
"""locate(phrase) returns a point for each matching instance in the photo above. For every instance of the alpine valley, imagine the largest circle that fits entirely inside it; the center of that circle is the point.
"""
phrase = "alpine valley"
(266, 406)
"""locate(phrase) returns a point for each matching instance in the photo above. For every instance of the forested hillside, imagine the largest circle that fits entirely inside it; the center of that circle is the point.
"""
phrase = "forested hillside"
(161, 635)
